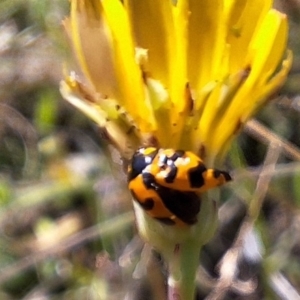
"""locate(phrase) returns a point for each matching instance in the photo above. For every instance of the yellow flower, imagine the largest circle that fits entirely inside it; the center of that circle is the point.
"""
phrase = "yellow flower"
(181, 74)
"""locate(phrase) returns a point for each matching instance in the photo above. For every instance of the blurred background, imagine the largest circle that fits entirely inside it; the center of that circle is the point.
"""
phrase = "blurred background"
(66, 223)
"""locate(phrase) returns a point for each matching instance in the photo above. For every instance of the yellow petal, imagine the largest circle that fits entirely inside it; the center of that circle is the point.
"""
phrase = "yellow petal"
(268, 44)
(265, 55)
(91, 45)
(226, 130)
(270, 87)
(180, 89)
(245, 16)
(153, 29)
(161, 28)
(205, 44)
(72, 92)
(119, 130)
(102, 41)
(130, 80)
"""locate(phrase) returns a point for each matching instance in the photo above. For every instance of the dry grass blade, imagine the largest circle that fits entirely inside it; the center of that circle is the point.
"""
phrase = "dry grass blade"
(283, 287)
(229, 264)
(106, 228)
(266, 136)
(12, 120)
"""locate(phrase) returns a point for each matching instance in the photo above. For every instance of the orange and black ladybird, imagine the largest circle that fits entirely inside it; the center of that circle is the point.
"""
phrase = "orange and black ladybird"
(167, 182)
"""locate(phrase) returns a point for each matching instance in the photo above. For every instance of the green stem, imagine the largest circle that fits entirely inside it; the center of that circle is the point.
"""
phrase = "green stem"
(180, 247)
(182, 271)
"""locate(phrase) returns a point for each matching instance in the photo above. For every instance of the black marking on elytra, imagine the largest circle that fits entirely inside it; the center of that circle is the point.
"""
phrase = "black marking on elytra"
(149, 180)
(227, 176)
(147, 204)
(184, 205)
(177, 154)
(171, 176)
(195, 175)
(166, 221)
(139, 163)
(218, 173)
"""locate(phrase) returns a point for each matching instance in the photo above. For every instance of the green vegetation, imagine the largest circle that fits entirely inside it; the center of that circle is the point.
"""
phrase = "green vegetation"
(66, 223)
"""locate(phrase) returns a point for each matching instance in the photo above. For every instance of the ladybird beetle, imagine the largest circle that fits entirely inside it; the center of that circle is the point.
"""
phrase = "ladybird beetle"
(167, 182)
